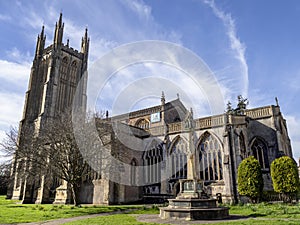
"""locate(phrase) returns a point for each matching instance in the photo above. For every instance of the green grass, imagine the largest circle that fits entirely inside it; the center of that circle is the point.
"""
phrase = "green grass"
(13, 212)
(259, 214)
(267, 210)
(263, 213)
(124, 219)
(260, 222)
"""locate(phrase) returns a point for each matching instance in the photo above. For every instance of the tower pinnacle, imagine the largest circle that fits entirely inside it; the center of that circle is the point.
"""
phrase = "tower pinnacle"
(40, 44)
(85, 42)
(59, 29)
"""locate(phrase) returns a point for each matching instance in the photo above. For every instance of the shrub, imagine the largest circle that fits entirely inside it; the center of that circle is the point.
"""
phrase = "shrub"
(250, 181)
(285, 177)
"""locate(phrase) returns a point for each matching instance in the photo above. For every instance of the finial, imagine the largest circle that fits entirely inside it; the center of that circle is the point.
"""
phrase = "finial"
(68, 42)
(60, 19)
(163, 100)
(177, 95)
(276, 99)
(42, 32)
(229, 109)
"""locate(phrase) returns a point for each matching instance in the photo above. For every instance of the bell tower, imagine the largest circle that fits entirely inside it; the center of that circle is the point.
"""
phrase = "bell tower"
(57, 73)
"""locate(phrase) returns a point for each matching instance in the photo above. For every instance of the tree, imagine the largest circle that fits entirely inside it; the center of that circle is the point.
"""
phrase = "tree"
(8, 146)
(54, 152)
(285, 177)
(250, 180)
(4, 178)
(57, 151)
(68, 149)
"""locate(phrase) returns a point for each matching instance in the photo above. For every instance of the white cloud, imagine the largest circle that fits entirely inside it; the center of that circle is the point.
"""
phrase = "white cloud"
(16, 55)
(293, 124)
(139, 7)
(11, 110)
(236, 45)
(14, 73)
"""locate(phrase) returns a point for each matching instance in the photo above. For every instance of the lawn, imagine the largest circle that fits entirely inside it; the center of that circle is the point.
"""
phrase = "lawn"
(259, 214)
(14, 212)
(263, 213)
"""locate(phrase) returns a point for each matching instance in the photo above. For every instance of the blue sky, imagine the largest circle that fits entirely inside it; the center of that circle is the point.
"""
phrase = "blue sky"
(251, 46)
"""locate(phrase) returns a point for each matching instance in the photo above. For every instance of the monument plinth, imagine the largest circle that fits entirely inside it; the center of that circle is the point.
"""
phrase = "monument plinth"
(192, 202)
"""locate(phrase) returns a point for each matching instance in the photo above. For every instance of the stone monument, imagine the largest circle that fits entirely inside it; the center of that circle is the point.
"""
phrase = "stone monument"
(192, 203)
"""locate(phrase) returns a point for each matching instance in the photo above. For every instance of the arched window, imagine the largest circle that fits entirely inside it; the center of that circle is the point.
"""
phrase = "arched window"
(72, 83)
(73, 73)
(210, 159)
(152, 165)
(63, 70)
(260, 152)
(133, 165)
(143, 123)
(179, 159)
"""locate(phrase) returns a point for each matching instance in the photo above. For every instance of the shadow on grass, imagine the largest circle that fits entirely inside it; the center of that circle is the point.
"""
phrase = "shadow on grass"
(16, 206)
(256, 215)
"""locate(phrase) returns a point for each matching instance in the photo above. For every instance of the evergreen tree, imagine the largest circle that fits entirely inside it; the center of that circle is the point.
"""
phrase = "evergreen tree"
(250, 181)
(285, 177)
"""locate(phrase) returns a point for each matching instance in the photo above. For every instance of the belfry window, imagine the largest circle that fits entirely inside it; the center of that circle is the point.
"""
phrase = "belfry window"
(210, 159)
(260, 152)
(143, 123)
(63, 97)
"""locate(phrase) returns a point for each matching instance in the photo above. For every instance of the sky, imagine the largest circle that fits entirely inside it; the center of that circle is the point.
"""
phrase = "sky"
(251, 47)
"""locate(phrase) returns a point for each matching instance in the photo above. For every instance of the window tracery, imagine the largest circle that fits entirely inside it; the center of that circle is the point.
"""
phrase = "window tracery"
(260, 152)
(143, 123)
(210, 159)
(179, 159)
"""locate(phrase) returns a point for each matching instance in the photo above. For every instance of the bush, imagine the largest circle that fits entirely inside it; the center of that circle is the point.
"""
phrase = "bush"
(250, 180)
(285, 177)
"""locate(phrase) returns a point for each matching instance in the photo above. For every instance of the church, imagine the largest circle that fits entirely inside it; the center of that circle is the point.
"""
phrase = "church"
(165, 134)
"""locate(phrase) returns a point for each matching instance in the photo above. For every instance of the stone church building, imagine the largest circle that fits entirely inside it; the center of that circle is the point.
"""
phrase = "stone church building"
(166, 133)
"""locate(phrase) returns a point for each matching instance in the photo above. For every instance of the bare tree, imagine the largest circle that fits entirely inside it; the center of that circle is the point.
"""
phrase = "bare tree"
(8, 147)
(65, 151)
(4, 178)
(64, 159)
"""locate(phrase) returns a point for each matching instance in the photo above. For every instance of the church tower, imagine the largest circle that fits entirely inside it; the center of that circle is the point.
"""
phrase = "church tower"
(57, 72)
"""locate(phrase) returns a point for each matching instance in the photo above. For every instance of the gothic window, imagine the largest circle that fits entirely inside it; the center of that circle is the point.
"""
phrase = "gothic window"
(73, 76)
(63, 70)
(143, 123)
(133, 165)
(73, 73)
(243, 150)
(152, 164)
(260, 152)
(210, 159)
(178, 159)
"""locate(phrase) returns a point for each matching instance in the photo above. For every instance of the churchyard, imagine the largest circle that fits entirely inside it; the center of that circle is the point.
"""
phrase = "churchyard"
(11, 212)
